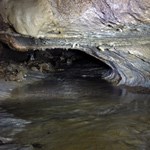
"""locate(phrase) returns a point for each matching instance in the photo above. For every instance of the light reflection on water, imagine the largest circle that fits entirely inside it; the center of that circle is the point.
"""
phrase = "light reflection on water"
(81, 114)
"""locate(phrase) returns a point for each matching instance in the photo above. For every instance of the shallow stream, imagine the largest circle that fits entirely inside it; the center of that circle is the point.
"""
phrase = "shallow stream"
(68, 112)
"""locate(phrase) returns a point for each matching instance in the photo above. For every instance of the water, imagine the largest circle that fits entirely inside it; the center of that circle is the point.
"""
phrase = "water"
(66, 112)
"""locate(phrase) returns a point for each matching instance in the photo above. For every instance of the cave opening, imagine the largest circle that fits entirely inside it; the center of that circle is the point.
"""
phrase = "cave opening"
(74, 62)
(77, 63)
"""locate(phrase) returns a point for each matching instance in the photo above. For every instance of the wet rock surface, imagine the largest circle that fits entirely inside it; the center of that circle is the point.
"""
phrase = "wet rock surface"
(128, 56)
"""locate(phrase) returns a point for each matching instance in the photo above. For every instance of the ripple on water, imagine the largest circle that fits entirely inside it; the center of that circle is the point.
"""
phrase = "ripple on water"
(79, 114)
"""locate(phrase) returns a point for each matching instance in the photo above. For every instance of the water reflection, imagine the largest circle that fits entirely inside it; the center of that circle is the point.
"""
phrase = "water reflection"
(70, 113)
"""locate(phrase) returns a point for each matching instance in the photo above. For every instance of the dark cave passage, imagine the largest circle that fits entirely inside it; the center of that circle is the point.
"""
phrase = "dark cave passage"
(76, 62)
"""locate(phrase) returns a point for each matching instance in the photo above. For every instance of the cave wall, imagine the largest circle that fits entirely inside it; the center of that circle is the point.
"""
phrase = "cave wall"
(39, 18)
(115, 31)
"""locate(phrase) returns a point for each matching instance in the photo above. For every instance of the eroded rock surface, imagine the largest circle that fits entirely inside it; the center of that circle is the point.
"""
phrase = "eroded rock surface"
(42, 17)
(116, 32)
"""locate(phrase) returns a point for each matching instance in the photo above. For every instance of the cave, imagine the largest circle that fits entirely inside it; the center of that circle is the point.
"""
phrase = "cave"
(74, 74)
(117, 37)
(75, 62)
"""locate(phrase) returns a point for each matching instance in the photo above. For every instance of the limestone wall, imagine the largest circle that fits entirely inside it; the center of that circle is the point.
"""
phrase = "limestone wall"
(40, 18)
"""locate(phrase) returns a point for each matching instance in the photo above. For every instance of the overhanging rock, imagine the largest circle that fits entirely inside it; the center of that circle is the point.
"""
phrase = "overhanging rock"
(115, 32)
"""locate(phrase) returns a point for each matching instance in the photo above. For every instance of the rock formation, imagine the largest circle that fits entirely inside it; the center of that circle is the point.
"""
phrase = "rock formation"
(116, 32)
